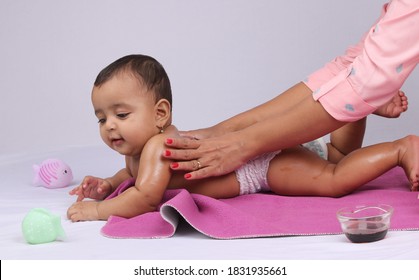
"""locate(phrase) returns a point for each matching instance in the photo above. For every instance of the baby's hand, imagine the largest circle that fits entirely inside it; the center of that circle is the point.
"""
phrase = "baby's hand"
(92, 187)
(83, 211)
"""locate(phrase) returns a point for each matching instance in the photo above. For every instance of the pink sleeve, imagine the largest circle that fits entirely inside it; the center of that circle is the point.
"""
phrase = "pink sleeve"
(335, 66)
(389, 55)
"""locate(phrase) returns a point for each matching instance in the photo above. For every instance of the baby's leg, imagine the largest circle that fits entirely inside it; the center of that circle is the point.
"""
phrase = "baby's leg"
(346, 139)
(297, 171)
(349, 137)
(409, 159)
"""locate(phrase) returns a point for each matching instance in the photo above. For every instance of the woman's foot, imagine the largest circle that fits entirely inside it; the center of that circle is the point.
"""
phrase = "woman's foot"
(392, 109)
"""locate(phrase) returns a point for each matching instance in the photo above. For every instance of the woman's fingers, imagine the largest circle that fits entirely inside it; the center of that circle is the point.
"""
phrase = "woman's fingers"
(182, 149)
(183, 143)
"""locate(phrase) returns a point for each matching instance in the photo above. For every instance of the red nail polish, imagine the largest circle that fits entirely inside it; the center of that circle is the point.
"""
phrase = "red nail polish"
(167, 153)
(187, 176)
(174, 165)
(169, 140)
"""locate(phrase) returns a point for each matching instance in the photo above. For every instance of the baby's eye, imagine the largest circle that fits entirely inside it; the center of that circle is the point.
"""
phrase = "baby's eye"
(122, 115)
(101, 121)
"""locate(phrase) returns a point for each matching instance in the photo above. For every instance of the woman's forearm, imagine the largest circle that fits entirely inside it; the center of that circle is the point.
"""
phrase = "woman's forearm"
(276, 106)
(287, 130)
(220, 155)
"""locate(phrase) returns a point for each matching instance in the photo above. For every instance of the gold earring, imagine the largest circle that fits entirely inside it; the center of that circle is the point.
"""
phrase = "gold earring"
(161, 128)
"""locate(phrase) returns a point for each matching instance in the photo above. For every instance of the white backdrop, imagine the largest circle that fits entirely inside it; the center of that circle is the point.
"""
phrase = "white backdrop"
(223, 56)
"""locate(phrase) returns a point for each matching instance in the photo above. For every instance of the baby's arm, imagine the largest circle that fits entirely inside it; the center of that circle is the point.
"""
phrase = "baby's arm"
(98, 188)
(152, 180)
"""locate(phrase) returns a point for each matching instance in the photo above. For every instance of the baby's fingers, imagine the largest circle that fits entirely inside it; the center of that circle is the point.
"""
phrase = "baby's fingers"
(79, 192)
(80, 197)
(75, 191)
(101, 188)
(89, 181)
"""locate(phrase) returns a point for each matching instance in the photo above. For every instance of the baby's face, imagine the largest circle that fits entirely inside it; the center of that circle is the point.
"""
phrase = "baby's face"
(126, 114)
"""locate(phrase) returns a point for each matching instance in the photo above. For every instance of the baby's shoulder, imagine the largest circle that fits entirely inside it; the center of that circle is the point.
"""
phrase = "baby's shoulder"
(159, 139)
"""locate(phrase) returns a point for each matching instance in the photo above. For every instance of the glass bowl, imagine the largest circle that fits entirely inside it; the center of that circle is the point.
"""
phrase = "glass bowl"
(365, 223)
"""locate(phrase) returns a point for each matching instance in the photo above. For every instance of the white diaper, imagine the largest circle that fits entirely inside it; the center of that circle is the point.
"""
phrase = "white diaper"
(252, 176)
(317, 146)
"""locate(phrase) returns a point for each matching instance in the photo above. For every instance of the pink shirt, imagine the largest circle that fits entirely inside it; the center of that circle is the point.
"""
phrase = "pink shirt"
(369, 74)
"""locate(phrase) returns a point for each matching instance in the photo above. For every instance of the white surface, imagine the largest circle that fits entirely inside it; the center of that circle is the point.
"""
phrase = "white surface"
(222, 57)
(84, 241)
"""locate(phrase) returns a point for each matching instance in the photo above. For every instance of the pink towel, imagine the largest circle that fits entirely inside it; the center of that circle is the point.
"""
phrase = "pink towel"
(264, 215)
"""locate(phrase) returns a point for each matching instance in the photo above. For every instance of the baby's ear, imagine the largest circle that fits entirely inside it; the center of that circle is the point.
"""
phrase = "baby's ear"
(163, 113)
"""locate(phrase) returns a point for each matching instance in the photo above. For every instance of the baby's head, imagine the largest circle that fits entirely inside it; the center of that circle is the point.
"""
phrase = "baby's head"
(132, 100)
(146, 69)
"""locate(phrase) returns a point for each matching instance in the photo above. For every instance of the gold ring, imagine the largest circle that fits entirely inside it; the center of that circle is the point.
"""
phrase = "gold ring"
(198, 164)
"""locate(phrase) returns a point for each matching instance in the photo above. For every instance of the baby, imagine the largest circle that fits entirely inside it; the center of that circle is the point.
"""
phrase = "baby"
(133, 103)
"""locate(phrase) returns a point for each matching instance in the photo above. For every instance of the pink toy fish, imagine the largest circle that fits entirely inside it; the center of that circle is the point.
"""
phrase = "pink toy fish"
(52, 173)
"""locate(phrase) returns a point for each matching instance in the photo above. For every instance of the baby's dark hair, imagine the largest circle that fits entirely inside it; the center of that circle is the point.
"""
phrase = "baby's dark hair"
(145, 68)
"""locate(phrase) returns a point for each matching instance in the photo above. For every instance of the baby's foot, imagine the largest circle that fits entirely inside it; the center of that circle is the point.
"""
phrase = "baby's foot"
(393, 108)
(409, 159)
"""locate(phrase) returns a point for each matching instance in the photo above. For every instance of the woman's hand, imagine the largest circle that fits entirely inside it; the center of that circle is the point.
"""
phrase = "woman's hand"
(206, 157)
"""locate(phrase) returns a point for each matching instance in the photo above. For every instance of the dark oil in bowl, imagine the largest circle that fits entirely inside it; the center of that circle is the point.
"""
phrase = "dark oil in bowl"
(366, 237)
(358, 233)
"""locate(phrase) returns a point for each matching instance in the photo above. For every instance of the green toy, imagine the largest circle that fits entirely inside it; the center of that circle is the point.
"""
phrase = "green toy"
(40, 226)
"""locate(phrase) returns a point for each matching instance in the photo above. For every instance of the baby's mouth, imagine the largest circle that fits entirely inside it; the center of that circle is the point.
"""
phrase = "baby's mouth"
(117, 141)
